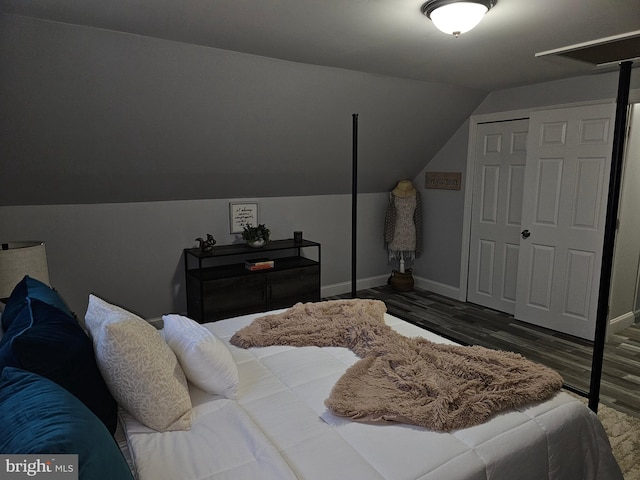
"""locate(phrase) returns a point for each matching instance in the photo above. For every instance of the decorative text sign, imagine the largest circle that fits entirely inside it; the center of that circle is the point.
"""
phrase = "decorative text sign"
(241, 215)
(443, 180)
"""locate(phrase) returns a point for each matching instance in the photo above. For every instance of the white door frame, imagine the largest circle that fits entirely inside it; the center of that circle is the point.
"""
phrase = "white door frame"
(474, 120)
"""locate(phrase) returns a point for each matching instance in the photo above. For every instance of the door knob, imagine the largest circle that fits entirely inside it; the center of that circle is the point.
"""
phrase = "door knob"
(525, 234)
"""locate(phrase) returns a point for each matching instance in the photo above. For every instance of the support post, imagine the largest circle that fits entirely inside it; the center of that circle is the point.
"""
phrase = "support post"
(615, 180)
(354, 203)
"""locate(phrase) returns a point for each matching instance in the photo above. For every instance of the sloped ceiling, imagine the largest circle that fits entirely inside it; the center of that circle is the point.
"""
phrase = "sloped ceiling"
(387, 37)
(136, 100)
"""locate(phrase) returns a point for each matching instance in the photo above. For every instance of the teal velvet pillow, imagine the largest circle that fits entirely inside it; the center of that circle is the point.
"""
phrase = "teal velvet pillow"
(40, 417)
(30, 288)
(45, 340)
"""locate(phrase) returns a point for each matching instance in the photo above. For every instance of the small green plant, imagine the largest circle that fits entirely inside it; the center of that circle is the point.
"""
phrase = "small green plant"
(253, 234)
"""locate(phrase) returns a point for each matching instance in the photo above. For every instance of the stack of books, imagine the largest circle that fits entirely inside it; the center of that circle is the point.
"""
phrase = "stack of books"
(258, 264)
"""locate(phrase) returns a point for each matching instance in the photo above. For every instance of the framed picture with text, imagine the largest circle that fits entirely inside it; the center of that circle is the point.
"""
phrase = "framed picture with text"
(241, 215)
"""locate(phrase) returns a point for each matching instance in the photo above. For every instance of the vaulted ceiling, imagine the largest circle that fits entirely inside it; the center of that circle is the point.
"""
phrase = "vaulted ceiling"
(388, 37)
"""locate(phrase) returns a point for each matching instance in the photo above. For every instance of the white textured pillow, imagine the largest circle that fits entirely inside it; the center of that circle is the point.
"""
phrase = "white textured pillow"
(141, 371)
(205, 359)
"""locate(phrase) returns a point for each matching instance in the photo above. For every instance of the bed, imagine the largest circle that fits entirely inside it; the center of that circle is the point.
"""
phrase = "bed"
(278, 427)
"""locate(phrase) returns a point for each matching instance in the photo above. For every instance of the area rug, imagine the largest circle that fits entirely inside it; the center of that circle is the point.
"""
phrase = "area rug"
(624, 435)
(401, 379)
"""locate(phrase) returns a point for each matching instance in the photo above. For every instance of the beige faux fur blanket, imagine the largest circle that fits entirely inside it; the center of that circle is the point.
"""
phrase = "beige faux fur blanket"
(401, 379)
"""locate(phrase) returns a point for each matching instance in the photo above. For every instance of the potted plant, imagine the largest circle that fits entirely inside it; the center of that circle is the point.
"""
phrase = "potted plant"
(255, 236)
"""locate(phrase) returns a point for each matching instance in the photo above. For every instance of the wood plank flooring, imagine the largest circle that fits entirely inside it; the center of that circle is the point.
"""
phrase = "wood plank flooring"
(474, 325)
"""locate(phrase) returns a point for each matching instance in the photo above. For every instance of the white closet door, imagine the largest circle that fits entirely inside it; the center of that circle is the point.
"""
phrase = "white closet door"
(564, 203)
(496, 214)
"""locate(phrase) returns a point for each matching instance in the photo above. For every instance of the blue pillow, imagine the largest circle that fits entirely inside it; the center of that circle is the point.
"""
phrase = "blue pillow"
(39, 417)
(45, 340)
(30, 288)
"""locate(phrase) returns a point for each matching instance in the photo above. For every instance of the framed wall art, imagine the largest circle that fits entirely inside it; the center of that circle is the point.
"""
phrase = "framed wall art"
(241, 215)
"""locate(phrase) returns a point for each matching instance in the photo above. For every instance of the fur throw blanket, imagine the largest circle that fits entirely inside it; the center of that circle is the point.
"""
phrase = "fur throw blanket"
(401, 379)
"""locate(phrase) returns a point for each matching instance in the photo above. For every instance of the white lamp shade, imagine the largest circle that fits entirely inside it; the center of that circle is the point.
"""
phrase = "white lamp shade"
(458, 18)
(18, 259)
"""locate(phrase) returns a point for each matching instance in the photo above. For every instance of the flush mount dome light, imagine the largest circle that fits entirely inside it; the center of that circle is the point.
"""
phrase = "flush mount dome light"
(456, 16)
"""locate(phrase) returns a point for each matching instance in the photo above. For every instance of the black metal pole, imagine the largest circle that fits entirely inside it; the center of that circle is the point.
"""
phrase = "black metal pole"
(615, 180)
(354, 204)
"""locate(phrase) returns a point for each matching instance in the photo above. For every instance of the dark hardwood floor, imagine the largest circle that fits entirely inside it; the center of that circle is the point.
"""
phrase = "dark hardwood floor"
(474, 325)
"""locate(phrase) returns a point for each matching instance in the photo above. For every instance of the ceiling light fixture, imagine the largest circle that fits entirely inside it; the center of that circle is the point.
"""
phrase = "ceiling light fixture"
(456, 17)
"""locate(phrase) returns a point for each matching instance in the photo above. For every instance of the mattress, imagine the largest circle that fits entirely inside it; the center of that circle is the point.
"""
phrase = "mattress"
(279, 428)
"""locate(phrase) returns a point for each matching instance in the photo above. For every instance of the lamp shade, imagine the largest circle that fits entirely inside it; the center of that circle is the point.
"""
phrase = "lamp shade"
(18, 259)
(456, 16)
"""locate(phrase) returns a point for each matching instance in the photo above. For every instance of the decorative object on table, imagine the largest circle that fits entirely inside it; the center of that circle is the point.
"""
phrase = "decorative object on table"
(401, 282)
(18, 259)
(297, 237)
(206, 245)
(242, 215)
(256, 236)
(255, 264)
(403, 225)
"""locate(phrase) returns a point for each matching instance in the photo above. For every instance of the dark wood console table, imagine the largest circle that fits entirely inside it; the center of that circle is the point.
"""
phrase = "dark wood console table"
(219, 286)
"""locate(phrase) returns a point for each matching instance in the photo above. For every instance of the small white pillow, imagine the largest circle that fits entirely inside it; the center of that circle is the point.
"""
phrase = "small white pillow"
(141, 371)
(205, 359)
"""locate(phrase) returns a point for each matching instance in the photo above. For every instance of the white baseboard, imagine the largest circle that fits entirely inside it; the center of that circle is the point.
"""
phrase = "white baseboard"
(345, 287)
(621, 322)
(437, 287)
(420, 282)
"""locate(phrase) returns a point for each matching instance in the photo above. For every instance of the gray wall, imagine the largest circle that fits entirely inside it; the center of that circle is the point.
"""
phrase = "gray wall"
(444, 210)
(131, 253)
(119, 150)
(96, 116)
(624, 286)
(598, 86)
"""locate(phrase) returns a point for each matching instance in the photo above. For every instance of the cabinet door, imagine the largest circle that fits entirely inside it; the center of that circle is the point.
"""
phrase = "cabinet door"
(234, 296)
(287, 287)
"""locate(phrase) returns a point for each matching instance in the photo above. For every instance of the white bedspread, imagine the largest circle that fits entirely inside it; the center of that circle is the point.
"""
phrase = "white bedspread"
(279, 428)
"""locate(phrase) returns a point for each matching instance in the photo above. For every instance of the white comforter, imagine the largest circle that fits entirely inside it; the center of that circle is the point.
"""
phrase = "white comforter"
(279, 428)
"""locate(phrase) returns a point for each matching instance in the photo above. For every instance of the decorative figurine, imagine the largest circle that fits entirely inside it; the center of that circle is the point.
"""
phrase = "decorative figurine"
(206, 245)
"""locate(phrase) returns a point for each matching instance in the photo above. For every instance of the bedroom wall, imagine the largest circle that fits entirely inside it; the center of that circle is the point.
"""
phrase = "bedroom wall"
(601, 85)
(96, 116)
(118, 150)
(110, 140)
(443, 211)
(438, 268)
(624, 281)
(131, 253)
